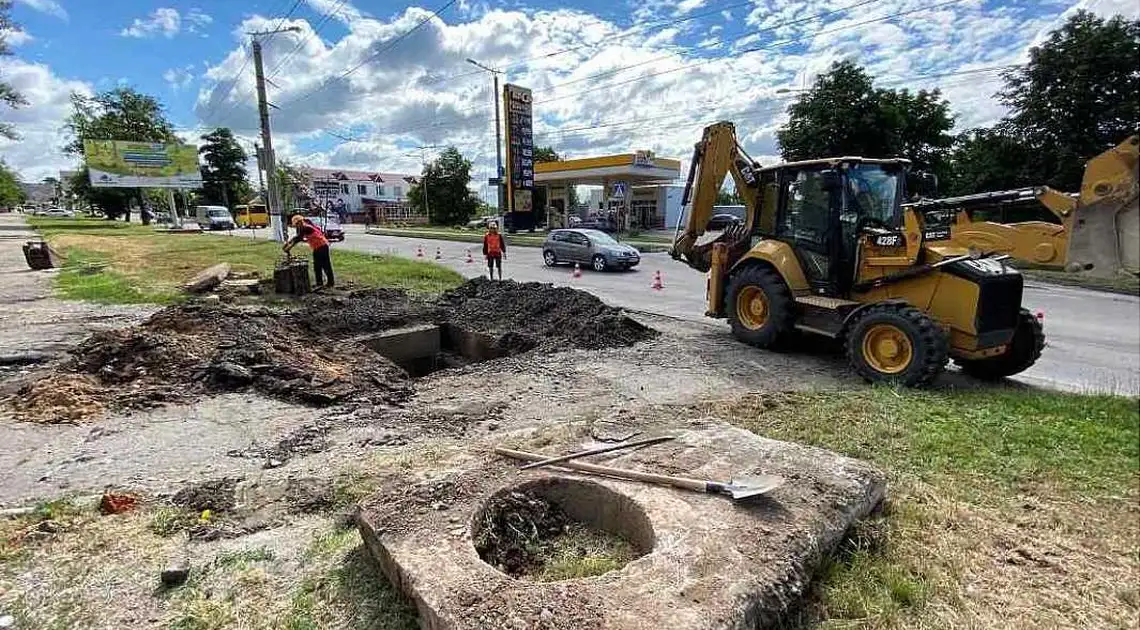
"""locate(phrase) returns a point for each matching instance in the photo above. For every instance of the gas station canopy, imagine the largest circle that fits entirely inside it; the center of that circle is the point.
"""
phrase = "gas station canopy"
(638, 169)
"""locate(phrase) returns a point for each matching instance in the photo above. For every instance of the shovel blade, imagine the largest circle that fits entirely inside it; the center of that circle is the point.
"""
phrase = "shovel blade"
(742, 488)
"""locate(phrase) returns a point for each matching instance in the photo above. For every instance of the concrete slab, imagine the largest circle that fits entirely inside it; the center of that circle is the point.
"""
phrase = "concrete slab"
(713, 564)
(404, 345)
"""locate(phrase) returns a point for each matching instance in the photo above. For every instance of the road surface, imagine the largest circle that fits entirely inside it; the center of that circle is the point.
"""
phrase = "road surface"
(1093, 337)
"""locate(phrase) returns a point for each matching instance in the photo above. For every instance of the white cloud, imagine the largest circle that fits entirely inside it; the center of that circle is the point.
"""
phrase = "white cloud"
(196, 20)
(163, 21)
(40, 123)
(51, 7)
(179, 78)
(341, 10)
(686, 6)
(15, 37)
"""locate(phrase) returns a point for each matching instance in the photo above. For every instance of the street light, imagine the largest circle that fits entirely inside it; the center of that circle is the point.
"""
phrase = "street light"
(498, 142)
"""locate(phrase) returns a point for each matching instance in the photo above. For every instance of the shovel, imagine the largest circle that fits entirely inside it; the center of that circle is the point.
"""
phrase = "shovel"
(738, 489)
(597, 451)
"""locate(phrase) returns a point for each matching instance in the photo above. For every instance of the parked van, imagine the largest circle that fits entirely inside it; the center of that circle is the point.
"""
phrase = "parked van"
(253, 216)
(214, 217)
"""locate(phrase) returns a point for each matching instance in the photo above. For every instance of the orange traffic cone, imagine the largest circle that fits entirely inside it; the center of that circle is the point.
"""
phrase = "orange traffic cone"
(438, 254)
(469, 258)
(420, 251)
(657, 283)
(577, 271)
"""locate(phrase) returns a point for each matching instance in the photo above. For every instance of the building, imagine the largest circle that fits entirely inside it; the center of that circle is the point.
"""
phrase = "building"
(359, 196)
(633, 189)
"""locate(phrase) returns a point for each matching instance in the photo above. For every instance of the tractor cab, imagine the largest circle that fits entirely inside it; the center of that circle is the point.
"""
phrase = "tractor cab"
(834, 214)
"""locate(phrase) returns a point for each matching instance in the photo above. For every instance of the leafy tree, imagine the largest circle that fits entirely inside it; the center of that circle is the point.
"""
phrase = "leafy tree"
(728, 198)
(8, 94)
(1078, 95)
(988, 159)
(844, 114)
(10, 192)
(56, 187)
(224, 175)
(545, 154)
(442, 192)
(119, 114)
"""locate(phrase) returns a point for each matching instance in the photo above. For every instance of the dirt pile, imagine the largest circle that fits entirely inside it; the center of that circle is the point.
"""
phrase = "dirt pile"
(553, 316)
(307, 354)
(188, 350)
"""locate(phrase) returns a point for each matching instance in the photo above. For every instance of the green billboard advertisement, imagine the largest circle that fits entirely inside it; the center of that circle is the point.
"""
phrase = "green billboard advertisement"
(125, 164)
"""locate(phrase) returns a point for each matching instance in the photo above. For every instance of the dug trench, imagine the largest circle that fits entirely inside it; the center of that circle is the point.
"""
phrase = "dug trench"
(365, 348)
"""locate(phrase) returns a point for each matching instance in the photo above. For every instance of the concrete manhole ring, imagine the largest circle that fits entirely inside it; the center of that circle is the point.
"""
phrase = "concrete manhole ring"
(557, 528)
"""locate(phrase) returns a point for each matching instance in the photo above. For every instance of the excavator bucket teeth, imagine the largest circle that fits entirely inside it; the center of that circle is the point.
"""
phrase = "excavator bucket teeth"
(1105, 237)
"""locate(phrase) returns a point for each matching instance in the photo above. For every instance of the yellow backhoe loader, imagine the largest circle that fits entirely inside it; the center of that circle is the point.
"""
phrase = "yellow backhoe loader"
(1095, 232)
(827, 248)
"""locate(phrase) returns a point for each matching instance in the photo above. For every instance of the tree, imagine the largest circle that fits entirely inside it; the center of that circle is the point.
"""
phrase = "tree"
(545, 154)
(844, 114)
(728, 198)
(119, 114)
(8, 94)
(1077, 96)
(223, 175)
(56, 188)
(10, 192)
(441, 192)
(988, 159)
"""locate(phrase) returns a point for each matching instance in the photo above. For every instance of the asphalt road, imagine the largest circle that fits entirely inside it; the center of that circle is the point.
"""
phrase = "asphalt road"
(1093, 337)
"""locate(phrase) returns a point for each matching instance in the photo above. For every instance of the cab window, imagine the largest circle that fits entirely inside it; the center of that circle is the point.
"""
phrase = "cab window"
(806, 208)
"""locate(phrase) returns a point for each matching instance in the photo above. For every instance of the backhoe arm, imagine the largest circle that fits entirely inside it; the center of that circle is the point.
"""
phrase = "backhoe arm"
(717, 155)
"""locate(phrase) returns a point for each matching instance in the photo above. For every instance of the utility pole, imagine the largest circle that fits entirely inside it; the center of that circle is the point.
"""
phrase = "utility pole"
(423, 161)
(273, 200)
(498, 134)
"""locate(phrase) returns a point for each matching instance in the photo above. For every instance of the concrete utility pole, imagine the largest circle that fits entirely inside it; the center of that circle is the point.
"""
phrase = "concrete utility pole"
(423, 161)
(273, 199)
(498, 134)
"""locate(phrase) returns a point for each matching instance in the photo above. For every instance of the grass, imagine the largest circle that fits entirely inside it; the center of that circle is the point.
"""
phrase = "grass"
(115, 262)
(582, 551)
(1005, 506)
(1126, 284)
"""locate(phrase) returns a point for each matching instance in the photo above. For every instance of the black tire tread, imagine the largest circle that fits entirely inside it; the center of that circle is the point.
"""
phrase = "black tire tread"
(780, 302)
(1016, 359)
(932, 346)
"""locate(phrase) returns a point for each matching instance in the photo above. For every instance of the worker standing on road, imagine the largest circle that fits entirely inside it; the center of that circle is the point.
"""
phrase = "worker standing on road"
(494, 248)
(311, 234)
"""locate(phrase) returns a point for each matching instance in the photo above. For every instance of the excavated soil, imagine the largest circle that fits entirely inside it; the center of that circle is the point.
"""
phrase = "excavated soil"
(306, 354)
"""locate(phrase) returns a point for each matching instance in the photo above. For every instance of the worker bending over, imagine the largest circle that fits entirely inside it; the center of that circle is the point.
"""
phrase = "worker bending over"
(311, 234)
(494, 248)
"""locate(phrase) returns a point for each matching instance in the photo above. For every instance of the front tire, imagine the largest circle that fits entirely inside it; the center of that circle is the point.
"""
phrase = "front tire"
(599, 263)
(897, 344)
(549, 258)
(759, 306)
(1021, 353)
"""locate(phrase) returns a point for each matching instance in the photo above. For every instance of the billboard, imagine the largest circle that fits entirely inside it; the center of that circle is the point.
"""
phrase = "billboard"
(520, 149)
(125, 164)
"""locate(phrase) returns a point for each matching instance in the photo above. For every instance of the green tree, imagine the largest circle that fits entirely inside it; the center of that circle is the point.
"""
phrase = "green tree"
(10, 192)
(988, 159)
(442, 191)
(728, 198)
(545, 154)
(119, 114)
(1078, 95)
(8, 94)
(844, 114)
(224, 176)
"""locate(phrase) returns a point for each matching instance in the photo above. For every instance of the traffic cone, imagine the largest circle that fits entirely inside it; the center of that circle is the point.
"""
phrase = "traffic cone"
(657, 283)
(577, 271)
(1040, 315)
(469, 258)
(438, 254)
(420, 251)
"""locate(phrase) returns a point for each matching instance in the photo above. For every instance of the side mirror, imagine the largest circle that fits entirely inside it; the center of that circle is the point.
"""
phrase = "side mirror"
(831, 179)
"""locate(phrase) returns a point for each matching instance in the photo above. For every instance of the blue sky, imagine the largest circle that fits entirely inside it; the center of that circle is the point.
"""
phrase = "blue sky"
(363, 83)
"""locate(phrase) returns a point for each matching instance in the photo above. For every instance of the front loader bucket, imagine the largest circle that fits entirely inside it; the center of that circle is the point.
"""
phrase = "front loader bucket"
(1104, 236)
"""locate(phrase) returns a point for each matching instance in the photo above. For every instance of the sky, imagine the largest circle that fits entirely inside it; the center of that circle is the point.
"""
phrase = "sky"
(380, 85)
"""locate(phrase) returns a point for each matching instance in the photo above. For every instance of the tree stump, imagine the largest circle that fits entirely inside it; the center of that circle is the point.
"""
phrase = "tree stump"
(291, 277)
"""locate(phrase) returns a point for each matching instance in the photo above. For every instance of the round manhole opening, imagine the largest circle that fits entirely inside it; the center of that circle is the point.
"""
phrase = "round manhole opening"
(557, 529)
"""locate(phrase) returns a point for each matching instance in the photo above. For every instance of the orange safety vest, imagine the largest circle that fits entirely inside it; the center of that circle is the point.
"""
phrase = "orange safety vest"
(315, 238)
(493, 245)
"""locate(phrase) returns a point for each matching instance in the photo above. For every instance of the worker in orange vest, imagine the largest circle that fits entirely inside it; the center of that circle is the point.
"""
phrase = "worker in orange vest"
(494, 248)
(322, 262)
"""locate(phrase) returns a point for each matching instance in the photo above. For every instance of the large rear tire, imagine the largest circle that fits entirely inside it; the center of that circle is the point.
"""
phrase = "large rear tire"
(897, 344)
(1021, 353)
(760, 307)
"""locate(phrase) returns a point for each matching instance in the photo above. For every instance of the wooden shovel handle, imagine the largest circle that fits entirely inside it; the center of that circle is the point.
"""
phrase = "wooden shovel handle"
(696, 485)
